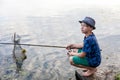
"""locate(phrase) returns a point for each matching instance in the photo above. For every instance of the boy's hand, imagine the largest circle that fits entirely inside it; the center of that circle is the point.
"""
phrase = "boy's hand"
(74, 46)
(73, 54)
(70, 46)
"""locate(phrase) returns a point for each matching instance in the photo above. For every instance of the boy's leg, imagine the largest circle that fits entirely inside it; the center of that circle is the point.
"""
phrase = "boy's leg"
(90, 70)
(77, 51)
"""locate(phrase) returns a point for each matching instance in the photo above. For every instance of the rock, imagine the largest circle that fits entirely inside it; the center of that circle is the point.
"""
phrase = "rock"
(79, 77)
(8, 72)
(103, 73)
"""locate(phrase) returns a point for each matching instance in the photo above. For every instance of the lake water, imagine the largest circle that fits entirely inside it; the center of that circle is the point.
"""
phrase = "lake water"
(52, 63)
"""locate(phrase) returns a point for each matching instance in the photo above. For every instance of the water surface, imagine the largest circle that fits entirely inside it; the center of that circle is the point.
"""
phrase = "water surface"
(52, 63)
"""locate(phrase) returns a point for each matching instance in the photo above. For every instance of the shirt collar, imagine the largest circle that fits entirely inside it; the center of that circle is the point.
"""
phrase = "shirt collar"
(89, 35)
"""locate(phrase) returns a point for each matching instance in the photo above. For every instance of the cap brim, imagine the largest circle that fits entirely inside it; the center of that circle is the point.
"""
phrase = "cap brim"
(80, 21)
(94, 27)
(87, 24)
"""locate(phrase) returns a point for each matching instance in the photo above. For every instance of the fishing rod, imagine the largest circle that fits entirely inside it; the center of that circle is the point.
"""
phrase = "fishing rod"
(35, 45)
(15, 36)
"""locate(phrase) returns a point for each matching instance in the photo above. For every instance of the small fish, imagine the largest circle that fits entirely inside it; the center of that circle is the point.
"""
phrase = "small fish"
(19, 54)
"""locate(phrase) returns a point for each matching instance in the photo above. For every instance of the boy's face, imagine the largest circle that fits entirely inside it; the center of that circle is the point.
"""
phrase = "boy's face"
(85, 28)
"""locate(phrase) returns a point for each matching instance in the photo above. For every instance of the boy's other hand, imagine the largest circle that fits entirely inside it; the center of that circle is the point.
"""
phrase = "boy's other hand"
(72, 54)
(70, 46)
(74, 46)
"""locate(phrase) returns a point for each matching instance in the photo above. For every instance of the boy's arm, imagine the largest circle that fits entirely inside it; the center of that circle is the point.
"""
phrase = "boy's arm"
(74, 46)
(80, 45)
(82, 54)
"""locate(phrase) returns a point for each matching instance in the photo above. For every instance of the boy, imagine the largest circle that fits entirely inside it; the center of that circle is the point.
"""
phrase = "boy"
(88, 55)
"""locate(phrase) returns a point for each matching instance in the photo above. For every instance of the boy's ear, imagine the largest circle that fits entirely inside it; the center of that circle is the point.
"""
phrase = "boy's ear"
(91, 28)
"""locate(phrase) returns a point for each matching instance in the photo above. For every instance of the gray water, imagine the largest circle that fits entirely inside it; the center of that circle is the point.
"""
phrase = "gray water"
(52, 63)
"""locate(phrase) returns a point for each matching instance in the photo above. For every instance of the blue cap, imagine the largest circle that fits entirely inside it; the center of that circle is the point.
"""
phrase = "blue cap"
(89, 21)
